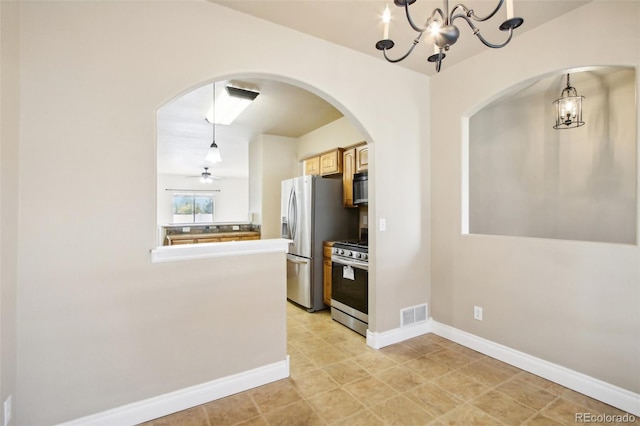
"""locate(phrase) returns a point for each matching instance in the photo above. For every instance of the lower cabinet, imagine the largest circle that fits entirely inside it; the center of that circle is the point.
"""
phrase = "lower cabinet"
(173, 240)
(326, 273)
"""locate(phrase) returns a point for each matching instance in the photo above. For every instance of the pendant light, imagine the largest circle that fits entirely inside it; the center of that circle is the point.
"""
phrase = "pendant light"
(568, 108)
(213, 155)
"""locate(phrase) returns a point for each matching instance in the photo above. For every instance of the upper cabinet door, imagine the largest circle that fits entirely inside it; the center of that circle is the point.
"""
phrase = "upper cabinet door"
(348, 164)
(362, 158)
(331, 162)
(312, 166)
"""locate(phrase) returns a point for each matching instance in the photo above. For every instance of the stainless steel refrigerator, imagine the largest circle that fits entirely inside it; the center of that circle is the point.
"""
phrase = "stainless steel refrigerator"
(312, 212)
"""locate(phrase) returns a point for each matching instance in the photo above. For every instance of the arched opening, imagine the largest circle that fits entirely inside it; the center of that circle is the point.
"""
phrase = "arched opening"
(282, 130)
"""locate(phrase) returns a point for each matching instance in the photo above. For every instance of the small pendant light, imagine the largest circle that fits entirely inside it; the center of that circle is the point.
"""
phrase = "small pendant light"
(568, 108)
(213, 155)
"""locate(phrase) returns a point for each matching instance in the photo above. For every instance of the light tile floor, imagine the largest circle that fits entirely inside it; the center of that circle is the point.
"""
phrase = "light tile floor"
(336, 379)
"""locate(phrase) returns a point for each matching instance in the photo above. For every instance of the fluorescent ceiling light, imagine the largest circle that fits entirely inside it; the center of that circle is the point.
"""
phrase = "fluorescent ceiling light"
(230, 104)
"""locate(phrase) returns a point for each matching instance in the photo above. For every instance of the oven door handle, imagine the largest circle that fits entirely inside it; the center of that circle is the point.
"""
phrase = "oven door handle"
(353, 264)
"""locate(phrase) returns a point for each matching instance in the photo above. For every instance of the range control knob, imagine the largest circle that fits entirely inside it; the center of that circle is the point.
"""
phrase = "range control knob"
(365, 256)
(358, 255)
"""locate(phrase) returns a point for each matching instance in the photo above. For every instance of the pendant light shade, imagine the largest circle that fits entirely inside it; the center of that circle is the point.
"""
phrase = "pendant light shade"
(568, 108)
(213, 155)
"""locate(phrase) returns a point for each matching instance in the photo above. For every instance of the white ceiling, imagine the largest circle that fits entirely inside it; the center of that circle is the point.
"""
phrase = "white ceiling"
(282, 109)
(184, 136)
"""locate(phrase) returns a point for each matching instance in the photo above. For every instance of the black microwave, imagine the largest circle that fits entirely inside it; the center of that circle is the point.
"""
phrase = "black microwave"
(361, 188)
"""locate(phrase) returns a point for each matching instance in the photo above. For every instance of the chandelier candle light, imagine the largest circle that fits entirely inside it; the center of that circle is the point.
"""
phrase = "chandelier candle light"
(441, 29)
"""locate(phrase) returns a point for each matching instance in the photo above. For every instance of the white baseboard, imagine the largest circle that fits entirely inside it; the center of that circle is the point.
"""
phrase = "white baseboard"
(162, 405)
(386, 338)
(587, 385)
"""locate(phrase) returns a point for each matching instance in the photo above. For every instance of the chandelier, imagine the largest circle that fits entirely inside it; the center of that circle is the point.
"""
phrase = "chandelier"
(568, 108)
(441, 28)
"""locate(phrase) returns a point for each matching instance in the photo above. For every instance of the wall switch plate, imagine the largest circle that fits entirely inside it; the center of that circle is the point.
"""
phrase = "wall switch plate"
(7, 410)
(477, 313)
(383, 225)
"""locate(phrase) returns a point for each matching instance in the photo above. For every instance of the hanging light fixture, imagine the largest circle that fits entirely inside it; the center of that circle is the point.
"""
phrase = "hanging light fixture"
(213, 155)
(442, 31)
(206, 176)
(568, 108)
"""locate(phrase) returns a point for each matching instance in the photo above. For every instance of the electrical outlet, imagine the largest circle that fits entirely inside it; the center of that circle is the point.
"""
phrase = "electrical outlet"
(7, 410)
(477, 313)
(235, 228)
(186, 229)
(383, 224)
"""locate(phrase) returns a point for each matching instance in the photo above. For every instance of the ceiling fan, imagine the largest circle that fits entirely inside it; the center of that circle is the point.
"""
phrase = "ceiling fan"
(207, 177)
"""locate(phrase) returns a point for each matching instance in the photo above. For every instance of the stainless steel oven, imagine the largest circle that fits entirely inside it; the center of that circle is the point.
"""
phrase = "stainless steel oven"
(350, 285)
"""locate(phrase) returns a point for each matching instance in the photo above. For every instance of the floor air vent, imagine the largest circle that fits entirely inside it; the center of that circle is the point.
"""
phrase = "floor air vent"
(413, 315)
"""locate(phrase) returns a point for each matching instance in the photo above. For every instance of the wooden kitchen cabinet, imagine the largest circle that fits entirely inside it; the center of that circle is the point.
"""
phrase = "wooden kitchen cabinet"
(182, 241)
(331, 162)
(362, 158)
(176, 239)
(325, 164)
(348, 167)
(312, 166)
(355, 160)
(326, 273)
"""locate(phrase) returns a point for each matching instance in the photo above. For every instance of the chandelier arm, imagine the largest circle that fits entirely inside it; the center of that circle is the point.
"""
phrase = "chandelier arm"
(470, 13)
(415, 43)
(415, 27)
(476, 32)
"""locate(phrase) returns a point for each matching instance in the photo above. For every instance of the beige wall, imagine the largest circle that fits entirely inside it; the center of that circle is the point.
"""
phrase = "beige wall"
(99, 326)
(276, 156)
(9, 134)
(338, 133)
(231, 198)
(528, 179)
(576, 304)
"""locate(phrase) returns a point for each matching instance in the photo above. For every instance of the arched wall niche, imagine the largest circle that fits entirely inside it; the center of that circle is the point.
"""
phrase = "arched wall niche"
(523, 178)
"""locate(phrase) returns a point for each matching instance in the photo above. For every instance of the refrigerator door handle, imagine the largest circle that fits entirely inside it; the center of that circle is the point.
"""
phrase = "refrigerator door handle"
(296, 261)
(293, 218)
(289, 215)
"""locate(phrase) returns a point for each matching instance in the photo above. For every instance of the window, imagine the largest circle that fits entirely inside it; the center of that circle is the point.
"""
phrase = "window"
(193, 208)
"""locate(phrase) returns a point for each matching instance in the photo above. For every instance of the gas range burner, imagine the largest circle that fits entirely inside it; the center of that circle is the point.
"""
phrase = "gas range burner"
(350, 249)
(359, 244)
